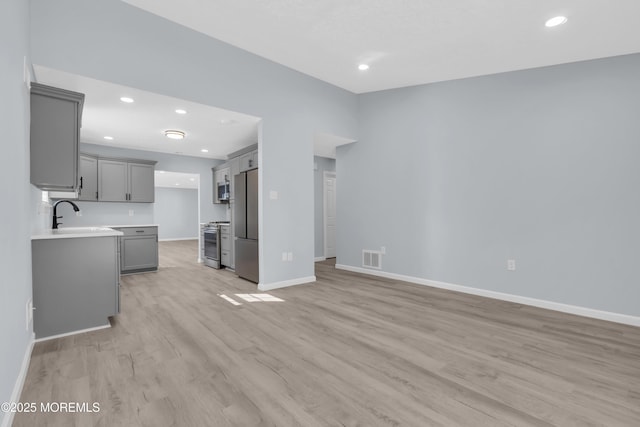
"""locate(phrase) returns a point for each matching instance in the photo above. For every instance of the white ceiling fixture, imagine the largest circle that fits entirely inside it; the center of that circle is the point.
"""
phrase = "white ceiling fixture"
(108, 138)
(181, 111)
(555, 21)
(363, 67)
(174, 134)
(141, 125)
(126, 100)
(413, 41)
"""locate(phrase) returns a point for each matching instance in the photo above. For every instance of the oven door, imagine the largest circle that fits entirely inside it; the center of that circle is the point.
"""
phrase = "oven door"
(211, 244)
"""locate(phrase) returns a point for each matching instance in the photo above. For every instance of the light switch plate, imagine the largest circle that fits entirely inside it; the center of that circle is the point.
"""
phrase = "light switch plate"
(273, 195)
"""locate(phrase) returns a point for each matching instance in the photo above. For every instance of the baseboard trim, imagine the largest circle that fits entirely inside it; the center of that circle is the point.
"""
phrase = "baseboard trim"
(66, 334)
(550, 305)
(286, 283)
(320, 258)
(179, 238)
(17, 388)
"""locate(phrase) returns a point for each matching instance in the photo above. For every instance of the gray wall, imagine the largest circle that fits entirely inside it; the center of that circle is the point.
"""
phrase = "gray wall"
(112, 213)
(79, 36)
(323, 164)
(540, 166)
(176, 212)
(15, 220)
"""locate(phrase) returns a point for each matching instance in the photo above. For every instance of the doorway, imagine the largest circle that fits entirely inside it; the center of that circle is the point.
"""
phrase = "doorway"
(329, 214)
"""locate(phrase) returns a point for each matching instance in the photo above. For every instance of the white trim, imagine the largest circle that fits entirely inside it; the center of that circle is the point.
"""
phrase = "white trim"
(179, 238)
(550, 305)
(17, 388)
(320, 258)
(66, 334)
(286, 283)
(325, 175)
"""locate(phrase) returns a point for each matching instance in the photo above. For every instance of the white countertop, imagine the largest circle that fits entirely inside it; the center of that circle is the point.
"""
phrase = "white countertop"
(75, 232)
(131, 225)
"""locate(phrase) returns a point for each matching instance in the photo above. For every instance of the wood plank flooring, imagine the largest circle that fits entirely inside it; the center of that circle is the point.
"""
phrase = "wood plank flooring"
(348, 350)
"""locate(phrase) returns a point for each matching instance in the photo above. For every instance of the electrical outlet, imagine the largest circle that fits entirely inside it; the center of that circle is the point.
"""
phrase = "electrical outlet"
(290, 256)
(130, 212)
(511, 264)
(383, 250)
(273, 195)
(79, 213)
(284, 256)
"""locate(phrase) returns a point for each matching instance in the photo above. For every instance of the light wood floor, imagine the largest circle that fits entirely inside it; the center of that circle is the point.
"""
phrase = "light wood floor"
(349, 350)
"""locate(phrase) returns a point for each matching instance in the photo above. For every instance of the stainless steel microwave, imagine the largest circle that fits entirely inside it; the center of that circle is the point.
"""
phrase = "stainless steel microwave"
(223, 191)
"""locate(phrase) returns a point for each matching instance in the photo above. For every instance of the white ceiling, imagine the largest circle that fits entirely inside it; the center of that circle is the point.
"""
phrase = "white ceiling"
(141, 124)
(409, 42)
(176, 180)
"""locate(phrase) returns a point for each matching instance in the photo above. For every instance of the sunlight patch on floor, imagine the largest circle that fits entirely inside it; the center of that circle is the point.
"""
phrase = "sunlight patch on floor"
(259, 298)
(231, 300)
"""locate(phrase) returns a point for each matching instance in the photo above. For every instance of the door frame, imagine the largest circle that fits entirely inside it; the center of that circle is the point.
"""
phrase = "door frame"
(325, 175)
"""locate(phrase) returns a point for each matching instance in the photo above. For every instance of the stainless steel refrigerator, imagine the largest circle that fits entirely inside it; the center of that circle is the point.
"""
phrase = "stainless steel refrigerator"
(246, 224)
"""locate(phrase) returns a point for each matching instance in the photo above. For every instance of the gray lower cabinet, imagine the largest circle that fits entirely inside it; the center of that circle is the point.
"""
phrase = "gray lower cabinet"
(138, 249)
(75, 284)
(226, 249)
(56, 116)
(88, 188)
(126, 181)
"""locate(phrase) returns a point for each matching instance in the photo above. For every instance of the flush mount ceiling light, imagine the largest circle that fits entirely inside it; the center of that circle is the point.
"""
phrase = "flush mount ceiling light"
(108, 138)
(126, 99)
(174, 134)
(204, 150)
(555, 21)
(181, 111)
(363, 67)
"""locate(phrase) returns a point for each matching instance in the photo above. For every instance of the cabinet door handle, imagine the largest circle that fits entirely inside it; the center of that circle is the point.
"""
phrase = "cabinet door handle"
(139, 231)
(81, 183)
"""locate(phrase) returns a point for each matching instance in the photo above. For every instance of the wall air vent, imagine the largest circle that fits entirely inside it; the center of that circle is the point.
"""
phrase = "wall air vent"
(372, 259)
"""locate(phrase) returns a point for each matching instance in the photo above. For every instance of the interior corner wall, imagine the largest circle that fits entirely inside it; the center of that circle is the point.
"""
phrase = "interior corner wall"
(539, 166)
(321, 165)
(15, 220)
(112, 41)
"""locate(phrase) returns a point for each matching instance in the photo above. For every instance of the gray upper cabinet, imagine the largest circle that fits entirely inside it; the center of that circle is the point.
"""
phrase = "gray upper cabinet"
(56, 116)
(249, 161)
(112, 181)
(88, 189)
(126, 181)
(141, 182)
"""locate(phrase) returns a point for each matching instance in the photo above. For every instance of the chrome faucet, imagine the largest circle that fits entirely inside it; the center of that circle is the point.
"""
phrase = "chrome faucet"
(55, 207)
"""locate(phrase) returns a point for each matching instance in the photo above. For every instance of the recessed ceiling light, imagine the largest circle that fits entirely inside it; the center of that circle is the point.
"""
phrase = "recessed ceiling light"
(363, 67)
(204, 150)
(126, 99)
(555, 21)
(192, 179)
(174, 134)
(177, 183)
(108, 138)
(180, 111)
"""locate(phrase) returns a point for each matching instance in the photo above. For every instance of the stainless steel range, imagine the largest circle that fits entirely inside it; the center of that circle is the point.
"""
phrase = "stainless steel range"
(211, 243)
